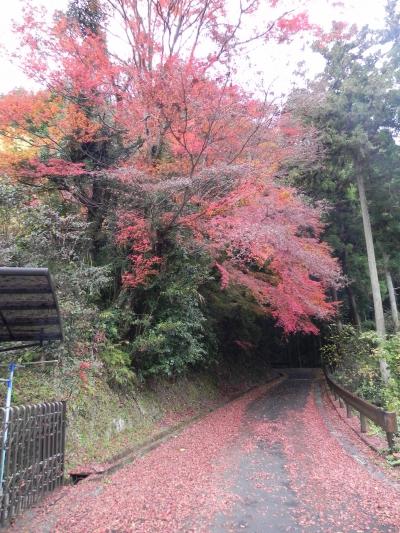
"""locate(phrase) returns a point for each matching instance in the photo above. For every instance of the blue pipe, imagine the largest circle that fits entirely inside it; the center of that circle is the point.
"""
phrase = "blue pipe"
(11, 369)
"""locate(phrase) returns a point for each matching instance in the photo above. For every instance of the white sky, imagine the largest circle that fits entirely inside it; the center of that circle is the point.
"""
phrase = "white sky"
(275, 64)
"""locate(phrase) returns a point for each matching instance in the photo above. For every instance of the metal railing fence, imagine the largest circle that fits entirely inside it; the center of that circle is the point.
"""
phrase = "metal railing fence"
(385, 419)
(34, 455)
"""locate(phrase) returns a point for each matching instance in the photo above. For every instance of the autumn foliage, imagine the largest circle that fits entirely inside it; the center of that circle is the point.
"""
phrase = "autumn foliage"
(163, 118)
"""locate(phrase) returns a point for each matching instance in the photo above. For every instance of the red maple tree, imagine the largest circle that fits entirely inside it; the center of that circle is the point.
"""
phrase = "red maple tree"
(162, 115)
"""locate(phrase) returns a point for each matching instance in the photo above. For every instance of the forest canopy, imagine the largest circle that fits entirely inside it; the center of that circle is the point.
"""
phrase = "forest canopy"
(167, 198)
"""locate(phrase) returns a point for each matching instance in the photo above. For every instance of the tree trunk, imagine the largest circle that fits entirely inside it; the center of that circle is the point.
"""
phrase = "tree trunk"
(355, 315)
(353, 308)
(95, 217)
(335, 298)
(373, 271)
(392, 294)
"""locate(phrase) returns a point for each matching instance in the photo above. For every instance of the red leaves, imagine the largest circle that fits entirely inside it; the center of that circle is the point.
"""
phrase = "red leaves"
(83, 367)
(134, 232)
(336, 490)
(162, 84)
(143, 268)
(185, 482)
(224, 281)
(134, 228)
(35, 168)
(272, 241)
(179, 486)
(244, 345)
(290, 25)
(191, 135)
(340, 31)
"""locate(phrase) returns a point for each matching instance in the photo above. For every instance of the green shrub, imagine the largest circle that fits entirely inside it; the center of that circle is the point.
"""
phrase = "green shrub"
(117, 364)
(390, 350)
(354, 357)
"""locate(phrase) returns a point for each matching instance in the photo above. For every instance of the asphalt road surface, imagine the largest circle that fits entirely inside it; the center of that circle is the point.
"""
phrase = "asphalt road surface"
(277, 459)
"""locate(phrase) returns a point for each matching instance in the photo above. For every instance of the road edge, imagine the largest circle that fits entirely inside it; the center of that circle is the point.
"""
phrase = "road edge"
(127, 457)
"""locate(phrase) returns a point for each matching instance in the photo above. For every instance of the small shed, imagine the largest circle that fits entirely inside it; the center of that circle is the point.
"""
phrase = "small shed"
(32, 437)
(29, 311)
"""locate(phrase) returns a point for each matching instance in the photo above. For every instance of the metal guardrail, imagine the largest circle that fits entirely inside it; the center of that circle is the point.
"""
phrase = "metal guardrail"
(385, 419)
(34, 455)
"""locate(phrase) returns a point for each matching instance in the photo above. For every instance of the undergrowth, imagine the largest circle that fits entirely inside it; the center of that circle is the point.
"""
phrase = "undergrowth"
(353, 356)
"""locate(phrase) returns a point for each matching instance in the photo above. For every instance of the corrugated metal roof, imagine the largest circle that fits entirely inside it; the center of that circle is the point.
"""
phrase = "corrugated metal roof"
(28, 306)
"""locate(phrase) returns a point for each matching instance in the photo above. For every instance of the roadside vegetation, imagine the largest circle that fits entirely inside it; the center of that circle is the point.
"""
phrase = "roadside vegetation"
(354, 358)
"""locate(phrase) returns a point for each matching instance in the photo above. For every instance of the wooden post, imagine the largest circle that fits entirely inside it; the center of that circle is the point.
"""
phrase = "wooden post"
(341, 404)
(363, 421)
(348, 410)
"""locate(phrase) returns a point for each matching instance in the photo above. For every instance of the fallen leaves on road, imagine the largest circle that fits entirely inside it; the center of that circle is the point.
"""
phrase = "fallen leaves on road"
(176, 487)
(335, 492)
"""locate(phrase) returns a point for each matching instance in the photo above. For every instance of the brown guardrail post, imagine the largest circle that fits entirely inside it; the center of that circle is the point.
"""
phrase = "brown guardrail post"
(391, 428)
(341, 404)
(391, 422)
(363, 422)
(348, 410)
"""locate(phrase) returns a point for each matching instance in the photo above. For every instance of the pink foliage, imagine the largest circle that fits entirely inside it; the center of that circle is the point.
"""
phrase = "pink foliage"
(178, 486)
(244, 345)
(290, 25)
(134, 232)
(210, 147)
(224, 282)
(272, 238)
(35, 168)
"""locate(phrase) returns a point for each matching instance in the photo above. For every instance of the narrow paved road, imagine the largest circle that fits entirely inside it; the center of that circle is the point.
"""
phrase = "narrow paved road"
(296, 476)
(277, 459)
